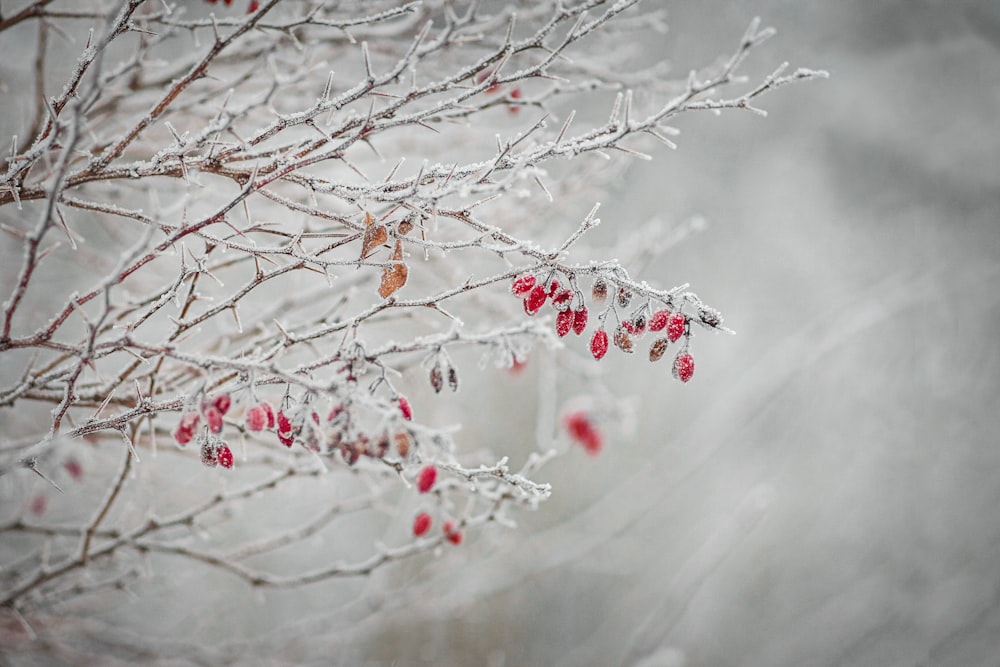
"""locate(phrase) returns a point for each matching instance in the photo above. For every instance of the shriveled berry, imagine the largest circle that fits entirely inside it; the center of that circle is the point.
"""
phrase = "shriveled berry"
(600, 290)
(683, 366)
(225, 456)
(523, 285)
(437, 378)
(402, 443)
(421, 524)
(657, 349)
(553, 287)
(564, 322)
(638, 325)
(622, 339)
(404, 407)
(209, 454)
(624, 297)
(451, 533)
(580, 320)
(535, 299)
(710, 316)
(256, 418)
(675, 327)
(453, 379)
(658, 321)
(426, 478)
(599, 344)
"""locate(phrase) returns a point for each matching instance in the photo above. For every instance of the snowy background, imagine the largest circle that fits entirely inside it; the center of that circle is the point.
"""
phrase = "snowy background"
(825, 491)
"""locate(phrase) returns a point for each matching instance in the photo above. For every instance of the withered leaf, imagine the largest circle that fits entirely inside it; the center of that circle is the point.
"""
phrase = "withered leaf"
(394, 276)
(375, 235)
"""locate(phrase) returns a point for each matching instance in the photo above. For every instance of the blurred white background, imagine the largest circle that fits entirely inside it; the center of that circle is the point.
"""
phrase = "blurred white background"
(825, 491)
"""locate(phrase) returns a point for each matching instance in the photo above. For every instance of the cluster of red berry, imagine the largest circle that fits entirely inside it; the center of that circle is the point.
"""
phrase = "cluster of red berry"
(262, 416)
(422, 522)
(674, 324)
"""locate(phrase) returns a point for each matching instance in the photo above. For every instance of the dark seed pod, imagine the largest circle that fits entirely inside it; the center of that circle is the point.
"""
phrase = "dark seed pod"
(437, 379)
(453, 379)
(624, 297)
(209, 454)
(657, 349)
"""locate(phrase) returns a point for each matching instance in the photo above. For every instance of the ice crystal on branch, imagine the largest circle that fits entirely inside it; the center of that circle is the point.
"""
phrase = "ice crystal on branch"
(258, 226)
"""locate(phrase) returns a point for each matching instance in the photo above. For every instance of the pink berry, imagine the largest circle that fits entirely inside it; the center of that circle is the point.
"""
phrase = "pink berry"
(225, 456)
(535, 299)
(421, 524)
(404, 407)
(256, 418)
(599, 344)
(523, 285)
(222, 403)
(675, 326)
(659, 320)
(74, 469)
(580, 320)
(683, 366)
(38, 504)
(564, 322)
(451, 533)
(214, 419)
(269, 411)
(426, 478)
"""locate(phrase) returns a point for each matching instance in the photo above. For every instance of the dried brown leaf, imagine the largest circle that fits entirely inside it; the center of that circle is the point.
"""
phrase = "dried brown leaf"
(394, 277)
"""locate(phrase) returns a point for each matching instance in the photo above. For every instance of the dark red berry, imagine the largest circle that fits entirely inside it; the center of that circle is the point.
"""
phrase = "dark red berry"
(535, 299)
(451, 533)
(404, 407)
(564, 322)
(522, 285)
(222, 403)
(225, 456)
(214, 419)
(580, 320)
(659, 320)
(599, 344)
(675, 326)
(683, 366)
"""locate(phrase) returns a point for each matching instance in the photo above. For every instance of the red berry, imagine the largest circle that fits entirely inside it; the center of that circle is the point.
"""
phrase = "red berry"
(523, 285)
(675, 327)
(222, 403)
(404, 407)
(535, 299)
(426, 478)
(564, 322)
(186, 428)
(287, 439)
(257, 418)
(580, 320)
(225, 456)
(284, 424)
(269, 412)
(451, 534)
(683, 366)
(599, 344)
(659, 320)
(562, 298)
(421, 523)
(254, 6)
(582, 430)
